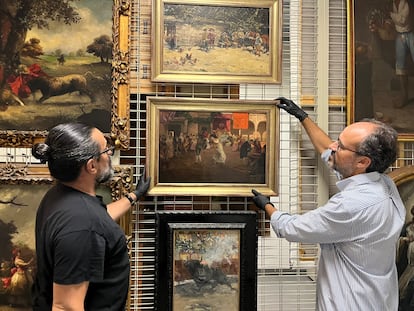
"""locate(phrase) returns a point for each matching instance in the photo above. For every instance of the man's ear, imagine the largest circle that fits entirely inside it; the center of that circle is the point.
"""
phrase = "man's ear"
(364, 162)
(91, 166)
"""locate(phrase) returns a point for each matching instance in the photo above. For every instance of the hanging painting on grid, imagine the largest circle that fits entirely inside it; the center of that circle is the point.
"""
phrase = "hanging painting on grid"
(212, 147)
(217, 41)
(381, 62)
(206, 261)
(60, 62)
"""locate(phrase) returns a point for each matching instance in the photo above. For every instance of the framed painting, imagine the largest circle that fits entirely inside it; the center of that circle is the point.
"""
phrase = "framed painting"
(380, 66)
(212, 147)
(216, 41)
(404, 179)
(65, 61)
(206, 260)
(22, 188)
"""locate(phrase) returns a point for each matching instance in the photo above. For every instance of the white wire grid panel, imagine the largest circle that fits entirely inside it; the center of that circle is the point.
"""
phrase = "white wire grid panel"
(286, 271)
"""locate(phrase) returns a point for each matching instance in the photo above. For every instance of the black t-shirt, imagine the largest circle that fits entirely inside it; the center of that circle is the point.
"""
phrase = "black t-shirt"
(77, 241)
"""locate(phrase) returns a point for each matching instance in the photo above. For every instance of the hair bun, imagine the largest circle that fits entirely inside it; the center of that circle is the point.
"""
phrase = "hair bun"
(41, 151)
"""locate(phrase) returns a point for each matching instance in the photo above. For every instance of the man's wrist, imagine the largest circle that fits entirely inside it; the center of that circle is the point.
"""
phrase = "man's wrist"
(130, 197)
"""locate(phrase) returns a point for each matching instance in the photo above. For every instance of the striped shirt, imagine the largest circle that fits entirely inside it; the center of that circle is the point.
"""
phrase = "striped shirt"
(357, 230)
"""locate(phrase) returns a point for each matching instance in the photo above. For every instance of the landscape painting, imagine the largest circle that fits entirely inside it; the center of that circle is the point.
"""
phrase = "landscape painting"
(216, 42)
(55, 63)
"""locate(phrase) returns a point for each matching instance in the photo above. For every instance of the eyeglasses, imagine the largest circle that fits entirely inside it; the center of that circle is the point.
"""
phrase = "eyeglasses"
(109, 150)
(342, 147)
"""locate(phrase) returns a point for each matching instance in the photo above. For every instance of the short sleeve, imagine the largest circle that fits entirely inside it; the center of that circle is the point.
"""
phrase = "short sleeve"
(79, 256)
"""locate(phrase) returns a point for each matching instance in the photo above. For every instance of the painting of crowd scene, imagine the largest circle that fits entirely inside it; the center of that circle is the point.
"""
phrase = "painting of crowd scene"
(18, 207)
(212, 147)
(55, 63)
(206, 270)
(216, 39)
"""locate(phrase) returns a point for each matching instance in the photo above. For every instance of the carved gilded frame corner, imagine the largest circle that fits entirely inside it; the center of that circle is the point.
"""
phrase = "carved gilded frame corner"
(120, 123)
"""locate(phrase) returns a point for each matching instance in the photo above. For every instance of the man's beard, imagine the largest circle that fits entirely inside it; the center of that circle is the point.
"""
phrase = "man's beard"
(105, 175)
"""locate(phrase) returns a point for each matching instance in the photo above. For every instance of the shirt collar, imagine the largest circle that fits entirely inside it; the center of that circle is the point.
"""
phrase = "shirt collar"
(358, 179)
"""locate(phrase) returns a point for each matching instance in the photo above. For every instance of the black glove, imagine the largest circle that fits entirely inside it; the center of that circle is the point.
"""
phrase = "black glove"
(142, 185)
(292, 108)
(260, 200)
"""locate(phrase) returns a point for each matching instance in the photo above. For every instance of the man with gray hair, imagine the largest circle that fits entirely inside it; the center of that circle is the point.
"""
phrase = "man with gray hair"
(358, 228)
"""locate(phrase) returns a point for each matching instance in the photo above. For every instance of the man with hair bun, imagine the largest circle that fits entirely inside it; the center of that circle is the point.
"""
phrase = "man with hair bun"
(82, 254)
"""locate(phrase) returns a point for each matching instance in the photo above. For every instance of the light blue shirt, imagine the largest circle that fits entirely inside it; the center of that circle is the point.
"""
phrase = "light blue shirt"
(357, 230)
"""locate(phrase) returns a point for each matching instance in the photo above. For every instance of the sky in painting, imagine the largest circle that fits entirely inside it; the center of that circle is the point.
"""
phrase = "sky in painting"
(96, 20)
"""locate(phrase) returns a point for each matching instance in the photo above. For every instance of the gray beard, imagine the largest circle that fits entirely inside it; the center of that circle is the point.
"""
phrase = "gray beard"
(105, 176)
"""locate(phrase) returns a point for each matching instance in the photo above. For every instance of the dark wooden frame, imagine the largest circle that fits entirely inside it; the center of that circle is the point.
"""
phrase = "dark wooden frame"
(168, 223)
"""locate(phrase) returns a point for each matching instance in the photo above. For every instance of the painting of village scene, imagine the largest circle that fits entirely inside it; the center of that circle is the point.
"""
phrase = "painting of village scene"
(233, 42)
(55, 63)
(206, 270)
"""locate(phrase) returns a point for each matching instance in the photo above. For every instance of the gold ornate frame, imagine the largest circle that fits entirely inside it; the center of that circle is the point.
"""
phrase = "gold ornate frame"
(205, 72)
(120, 87)
(209, 179)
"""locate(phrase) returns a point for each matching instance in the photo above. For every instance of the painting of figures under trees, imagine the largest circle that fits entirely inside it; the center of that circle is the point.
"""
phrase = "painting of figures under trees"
(55, 63)
(206, 260)
(18, 207)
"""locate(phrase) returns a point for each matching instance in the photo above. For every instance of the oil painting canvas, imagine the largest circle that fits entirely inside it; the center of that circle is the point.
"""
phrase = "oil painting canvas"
(55, 64)
(206, 268)
(18, 207)
(219, 147)
(206, 261)
(381, 62)
(216, 41)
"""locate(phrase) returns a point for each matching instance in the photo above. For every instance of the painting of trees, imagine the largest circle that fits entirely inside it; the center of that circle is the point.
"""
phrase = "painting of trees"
(102, 48)
(55, 40)
(19, 16)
